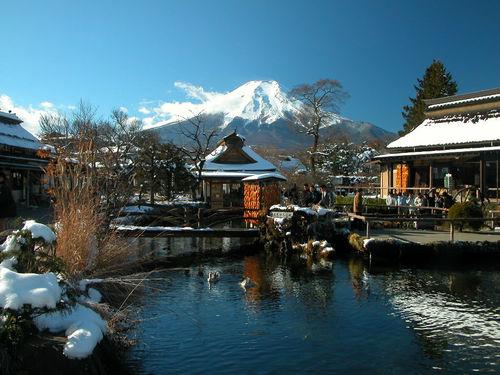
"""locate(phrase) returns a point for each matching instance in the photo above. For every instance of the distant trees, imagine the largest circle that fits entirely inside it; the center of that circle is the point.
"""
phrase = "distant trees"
(112, 156)
(160, 167)
(320, 100)
(437, 82)
(344, 158)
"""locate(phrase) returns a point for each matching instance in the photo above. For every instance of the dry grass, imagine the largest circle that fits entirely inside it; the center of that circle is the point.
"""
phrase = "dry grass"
(84, 241)
(77, 238)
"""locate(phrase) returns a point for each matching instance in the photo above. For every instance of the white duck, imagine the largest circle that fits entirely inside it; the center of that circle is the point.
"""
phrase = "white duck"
(246, 283)
(213, 276)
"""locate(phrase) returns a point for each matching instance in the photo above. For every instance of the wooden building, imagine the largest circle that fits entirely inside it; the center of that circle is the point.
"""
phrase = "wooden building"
(456, 147)
(20, 162)
(234, 175)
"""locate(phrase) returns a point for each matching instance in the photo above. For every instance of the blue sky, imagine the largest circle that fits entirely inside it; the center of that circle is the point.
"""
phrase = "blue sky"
(130, 53)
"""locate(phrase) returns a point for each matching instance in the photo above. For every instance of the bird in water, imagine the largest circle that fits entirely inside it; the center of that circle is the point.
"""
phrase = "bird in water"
(213, 277)
(246, 283)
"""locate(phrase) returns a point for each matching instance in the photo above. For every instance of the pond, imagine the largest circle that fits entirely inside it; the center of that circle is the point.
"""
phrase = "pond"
(338, 317)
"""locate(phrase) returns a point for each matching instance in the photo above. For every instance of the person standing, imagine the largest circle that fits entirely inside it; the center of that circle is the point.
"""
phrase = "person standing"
(315, 196)
(357, 206)
(306, 196)
(327, 197)
(7, 204)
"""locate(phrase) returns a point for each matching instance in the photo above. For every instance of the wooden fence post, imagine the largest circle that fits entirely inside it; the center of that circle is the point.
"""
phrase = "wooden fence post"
(200, 217)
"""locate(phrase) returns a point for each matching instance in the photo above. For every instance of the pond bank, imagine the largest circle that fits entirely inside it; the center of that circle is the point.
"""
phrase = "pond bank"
(43, 354)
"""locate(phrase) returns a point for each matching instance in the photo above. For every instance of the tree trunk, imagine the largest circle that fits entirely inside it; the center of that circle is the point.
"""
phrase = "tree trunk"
(152, 183)
(313, 155)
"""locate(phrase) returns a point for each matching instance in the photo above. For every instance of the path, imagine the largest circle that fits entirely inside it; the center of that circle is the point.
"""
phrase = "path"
(427, 236)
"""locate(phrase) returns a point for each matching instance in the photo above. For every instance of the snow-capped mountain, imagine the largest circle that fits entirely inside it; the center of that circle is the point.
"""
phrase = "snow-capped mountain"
(263, 113)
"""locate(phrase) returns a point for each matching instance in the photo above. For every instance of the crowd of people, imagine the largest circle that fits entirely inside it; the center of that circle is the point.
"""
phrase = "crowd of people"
(427, 199)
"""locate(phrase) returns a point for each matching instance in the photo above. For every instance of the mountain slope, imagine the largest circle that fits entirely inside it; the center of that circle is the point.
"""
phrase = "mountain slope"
(262, 112)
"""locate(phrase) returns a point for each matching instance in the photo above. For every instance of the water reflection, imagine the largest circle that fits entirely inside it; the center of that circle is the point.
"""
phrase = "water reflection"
(359, 278)
(328, 317)
(451, 313)
(179, 246)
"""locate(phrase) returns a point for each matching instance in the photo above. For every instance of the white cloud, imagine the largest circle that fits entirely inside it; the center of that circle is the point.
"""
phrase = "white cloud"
(46, 105)
(196, 92)
(30, 115)
(123, 109)
(168, 112)
(144, 110)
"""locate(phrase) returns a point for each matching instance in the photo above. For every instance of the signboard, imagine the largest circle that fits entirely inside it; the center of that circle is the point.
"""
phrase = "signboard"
(282, 214)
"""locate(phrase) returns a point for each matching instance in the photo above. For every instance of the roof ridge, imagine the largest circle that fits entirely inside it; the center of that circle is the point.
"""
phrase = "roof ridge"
(470, 95)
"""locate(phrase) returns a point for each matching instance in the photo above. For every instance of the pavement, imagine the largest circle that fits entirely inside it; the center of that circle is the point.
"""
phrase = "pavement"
(427, 236)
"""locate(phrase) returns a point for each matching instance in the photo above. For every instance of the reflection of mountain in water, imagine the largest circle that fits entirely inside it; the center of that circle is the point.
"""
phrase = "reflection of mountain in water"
(456, 310)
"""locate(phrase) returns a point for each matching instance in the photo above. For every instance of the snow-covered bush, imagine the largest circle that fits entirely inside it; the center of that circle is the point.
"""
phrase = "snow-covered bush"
(34, 294)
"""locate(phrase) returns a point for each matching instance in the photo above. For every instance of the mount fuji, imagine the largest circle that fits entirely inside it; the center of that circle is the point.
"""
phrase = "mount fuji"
(261, 112)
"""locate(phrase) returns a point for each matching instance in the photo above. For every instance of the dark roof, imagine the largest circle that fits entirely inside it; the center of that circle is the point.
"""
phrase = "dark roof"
(472, 96)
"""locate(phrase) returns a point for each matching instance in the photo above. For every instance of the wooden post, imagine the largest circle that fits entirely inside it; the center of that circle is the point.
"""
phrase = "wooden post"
(452, 232)
(482, 175)
(28, 188)
(200, 217)
(430, 176)
(367, 229)
(389, 177)
(497, 177)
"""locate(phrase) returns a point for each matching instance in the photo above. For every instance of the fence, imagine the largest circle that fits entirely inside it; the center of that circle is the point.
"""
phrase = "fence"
(370, 219)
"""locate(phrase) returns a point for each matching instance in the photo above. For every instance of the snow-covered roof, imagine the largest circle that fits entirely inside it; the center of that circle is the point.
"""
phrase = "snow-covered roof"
(260, 164)
(290, 163)
(454, 151)
(13, 134)
(265, 176)
(9, 118)
(458, 100)
(223, 174)
(456, 130)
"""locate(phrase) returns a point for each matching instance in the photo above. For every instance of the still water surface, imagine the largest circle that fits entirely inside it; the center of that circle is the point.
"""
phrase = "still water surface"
(339, 317)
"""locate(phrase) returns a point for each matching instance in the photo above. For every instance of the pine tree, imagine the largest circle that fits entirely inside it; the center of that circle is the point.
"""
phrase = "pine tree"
(436, 83)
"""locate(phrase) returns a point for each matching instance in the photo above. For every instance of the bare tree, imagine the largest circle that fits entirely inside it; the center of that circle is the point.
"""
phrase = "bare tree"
(320, 101)
(199, 140)
(102, 151)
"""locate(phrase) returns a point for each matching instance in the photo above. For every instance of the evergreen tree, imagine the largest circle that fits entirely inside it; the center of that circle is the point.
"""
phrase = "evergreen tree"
(436, 83)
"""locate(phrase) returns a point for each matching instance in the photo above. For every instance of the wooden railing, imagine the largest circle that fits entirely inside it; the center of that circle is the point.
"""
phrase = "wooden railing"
(370, 219)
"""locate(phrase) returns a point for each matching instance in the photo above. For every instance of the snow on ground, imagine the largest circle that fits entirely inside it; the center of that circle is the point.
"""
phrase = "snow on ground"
(83, 326)
(366, 241)
(320, 211)
(39, 231)
(173, 229)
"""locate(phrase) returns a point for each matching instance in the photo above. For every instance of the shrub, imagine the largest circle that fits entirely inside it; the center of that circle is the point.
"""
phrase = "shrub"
(467, 210)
